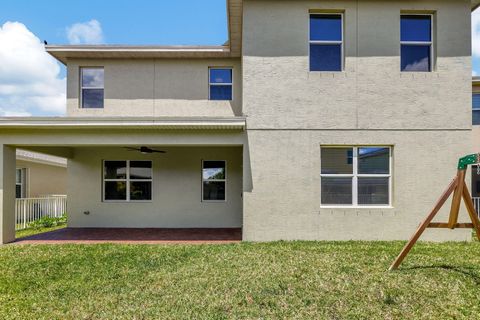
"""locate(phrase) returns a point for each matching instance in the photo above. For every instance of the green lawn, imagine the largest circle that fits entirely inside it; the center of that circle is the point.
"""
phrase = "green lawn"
(31, 231)
(282, 280)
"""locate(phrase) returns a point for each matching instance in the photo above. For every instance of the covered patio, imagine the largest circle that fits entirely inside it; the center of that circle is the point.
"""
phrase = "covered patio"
(136, 236)
(165, 201)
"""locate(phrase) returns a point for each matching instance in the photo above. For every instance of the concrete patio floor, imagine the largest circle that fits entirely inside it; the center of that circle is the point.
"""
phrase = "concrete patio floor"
(135, 236)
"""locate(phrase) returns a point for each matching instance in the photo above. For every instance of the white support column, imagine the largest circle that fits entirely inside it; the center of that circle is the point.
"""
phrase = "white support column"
(7, 194)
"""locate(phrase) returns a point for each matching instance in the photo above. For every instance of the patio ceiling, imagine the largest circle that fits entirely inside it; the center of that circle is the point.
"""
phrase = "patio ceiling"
(60, 136)
(475, 4)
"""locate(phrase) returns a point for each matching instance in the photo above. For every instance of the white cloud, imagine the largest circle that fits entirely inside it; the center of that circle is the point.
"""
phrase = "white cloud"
(89, 32)
(30, 82)
(475, 36)
(421, 65)
(476, 33)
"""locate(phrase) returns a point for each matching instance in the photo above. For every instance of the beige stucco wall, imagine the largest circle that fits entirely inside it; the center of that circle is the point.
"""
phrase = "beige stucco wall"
(291, 112)
(280, 92)
(176, 191)
(44, 179)
(282, 198)
(160, 87)
(476, 138)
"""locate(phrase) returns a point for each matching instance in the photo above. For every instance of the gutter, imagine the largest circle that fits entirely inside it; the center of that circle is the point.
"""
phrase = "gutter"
(237, 123)
(41, 161)
(136, 49)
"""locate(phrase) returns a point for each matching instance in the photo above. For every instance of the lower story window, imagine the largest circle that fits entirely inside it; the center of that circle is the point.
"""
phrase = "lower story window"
(356, 176)
(214, 180)
(127, 180)
(20, 183)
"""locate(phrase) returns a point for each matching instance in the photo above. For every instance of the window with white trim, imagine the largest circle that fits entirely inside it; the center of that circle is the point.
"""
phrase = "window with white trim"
(91, 87)
(326, 42)
(356, 176)
(214, 180)
(20, 183)
(220, 83)
(416, 42)
(127, 180)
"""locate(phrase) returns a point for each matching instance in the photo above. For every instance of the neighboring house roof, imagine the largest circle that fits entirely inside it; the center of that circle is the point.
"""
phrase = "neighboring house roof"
(40, 158)
(232, 48)
(476, 80)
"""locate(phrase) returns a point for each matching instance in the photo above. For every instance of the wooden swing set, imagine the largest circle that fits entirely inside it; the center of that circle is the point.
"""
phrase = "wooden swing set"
(460, 191)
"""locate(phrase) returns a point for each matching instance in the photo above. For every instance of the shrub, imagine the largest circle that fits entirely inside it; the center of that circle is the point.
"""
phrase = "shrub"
(48, 222)
(43, 222)
(62, 219)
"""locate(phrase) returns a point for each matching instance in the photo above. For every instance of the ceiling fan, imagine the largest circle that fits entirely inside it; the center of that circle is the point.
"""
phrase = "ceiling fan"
(145, 150)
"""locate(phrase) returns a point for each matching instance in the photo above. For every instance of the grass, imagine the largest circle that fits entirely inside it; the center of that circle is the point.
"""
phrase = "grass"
(281, 280)
(32, 231)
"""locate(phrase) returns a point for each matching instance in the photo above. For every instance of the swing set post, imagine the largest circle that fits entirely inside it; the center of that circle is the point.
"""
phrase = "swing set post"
(460, 192)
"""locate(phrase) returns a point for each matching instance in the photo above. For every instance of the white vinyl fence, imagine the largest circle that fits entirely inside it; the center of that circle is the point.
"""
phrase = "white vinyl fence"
(28, 210)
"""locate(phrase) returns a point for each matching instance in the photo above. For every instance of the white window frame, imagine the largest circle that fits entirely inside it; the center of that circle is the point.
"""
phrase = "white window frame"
(419, 43)
(215, 180)
(127, 180)
(82, 87)
(342, 42)
(210, 84)
(355, 175)
(23, 182)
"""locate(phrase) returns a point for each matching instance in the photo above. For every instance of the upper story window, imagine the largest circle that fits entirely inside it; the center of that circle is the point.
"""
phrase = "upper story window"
(92, 87)
(356, 176)
(476, 109)
(416, 42)
(326, 42)
(220, 83)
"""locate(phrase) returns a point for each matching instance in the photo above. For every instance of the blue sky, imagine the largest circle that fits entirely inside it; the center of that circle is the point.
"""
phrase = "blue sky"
(124, 21)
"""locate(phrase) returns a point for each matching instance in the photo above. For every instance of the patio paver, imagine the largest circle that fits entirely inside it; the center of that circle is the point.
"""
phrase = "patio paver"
(135, 236)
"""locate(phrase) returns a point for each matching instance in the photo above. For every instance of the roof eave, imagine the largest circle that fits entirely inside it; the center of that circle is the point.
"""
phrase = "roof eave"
(233, 123)
(65, 52)
(232, 48)
(36, 157)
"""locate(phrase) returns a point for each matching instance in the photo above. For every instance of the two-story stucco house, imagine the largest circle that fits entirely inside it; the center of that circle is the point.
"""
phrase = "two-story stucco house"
(318, 120)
